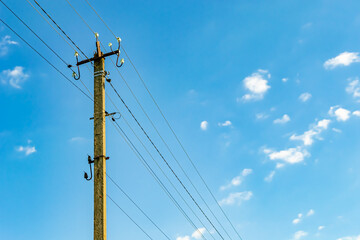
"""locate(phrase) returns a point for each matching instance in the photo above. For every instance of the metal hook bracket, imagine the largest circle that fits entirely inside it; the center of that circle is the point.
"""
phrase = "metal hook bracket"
(90, 161)
(75, 75)
(118, 54)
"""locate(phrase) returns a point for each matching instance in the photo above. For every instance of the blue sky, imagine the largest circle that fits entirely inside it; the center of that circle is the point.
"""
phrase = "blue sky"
(264, 95)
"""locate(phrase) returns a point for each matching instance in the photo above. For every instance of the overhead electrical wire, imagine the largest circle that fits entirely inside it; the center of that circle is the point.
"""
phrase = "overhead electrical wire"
(153, 174)
(168, 124)
(108, 196)
(166, 162)
(137, 206)
(52, 50)
(159, 167)
(46, 59)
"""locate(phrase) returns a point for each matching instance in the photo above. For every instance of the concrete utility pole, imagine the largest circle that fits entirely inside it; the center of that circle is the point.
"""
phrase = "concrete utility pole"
(99, 147)
(99, 140)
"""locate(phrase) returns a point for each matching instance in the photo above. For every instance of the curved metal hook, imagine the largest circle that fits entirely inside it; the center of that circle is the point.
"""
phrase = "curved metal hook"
(85, 174)
(77, 76)
(118, 54)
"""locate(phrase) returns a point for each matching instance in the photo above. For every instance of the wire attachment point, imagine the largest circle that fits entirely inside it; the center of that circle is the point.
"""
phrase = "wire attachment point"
(75, 75)
(90, 161)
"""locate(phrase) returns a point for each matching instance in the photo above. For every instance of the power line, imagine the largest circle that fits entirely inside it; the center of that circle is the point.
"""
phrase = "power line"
(80, 17)
(56, 54)
(34, 33)
(60, 28)
(168, 124)
(130, 217)
(153, 174)
(168, 165)
(137, 206)
(46, 60)
(159, 167)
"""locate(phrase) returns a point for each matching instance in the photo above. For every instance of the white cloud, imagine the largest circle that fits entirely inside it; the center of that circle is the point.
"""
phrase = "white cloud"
(305, 97)
(284, 119)
(298, 219)
(260, 116)
(4, 45)
(225, 124)
(236, 181)
(343, 59)
(337, 130)
(270, 177)
(183, 238)
(350, 238)
(246, 172)
(236, 198)
(26, 149)
(285, 79)
(77, 139)
(279, 165)
(341, 114)
(257, 85)
(323, 124)
(308, 136)
(356, 113)
(301, 216)
(353, 88)
(198, 233)
(299, 234)
(14, 77)
(310, 212)
(204, 125)
(321, 228)
(291, 155)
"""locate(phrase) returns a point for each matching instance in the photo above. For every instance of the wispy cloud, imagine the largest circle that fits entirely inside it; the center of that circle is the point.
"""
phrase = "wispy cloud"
(204, 125)
(314, 132)
(77, 139)
(14, 77)
(343, 59)
(353, 88)
(284, 119)
(198, 233)
(5, 43)
(270, 177)
(350, 238)
(236, 181)
(28, 150)
(183, 238)
(225, 124)
(261, 116)
(304, 97)
(298, 219)
(356, 113)
(257, 85)
(299, 235)
(301, 216)
(236, 198)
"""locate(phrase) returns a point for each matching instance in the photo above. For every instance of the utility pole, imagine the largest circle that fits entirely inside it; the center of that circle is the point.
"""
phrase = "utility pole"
(99, 139)
(99, 146)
